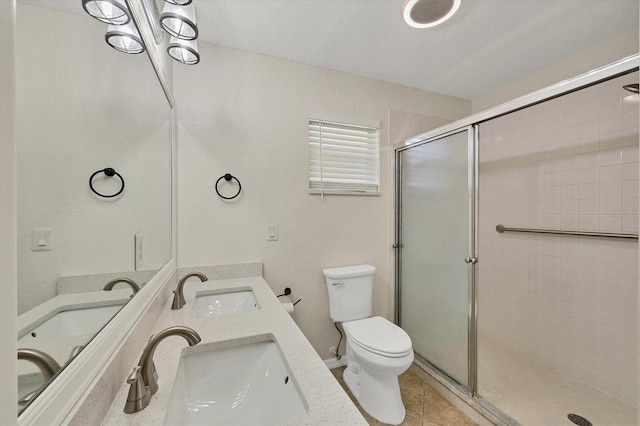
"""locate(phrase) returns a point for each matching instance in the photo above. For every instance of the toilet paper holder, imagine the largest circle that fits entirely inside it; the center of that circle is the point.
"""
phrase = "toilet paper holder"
(287, 292)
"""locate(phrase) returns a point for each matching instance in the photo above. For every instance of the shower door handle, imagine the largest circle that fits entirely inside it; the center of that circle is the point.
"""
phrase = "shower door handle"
(471, 260)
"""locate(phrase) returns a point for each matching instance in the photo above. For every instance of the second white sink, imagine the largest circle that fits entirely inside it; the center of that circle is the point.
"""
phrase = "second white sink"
(70, 322)
(213, 305)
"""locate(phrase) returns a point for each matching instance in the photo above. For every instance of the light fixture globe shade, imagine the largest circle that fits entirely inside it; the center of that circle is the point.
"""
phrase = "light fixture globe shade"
(179, 2)
(113, 12)
(428, 13)
(184, 51)
(124, 38)
(179, 21)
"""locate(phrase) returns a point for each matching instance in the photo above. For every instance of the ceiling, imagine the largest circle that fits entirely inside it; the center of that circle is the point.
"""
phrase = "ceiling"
(487, 44)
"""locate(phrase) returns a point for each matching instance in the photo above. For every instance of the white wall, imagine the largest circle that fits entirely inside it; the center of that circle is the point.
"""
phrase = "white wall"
(247, 114)
(82, 106)
(568, 303)
(597, 56)
(8, 257)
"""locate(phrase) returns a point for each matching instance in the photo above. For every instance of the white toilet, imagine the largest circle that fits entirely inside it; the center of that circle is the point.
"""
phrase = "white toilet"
(378, 351)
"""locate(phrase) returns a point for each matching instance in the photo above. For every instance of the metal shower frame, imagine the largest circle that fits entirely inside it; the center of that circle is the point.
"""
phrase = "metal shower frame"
(469, 391)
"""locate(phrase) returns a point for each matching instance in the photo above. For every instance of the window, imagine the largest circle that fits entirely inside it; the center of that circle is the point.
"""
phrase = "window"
(344, 156)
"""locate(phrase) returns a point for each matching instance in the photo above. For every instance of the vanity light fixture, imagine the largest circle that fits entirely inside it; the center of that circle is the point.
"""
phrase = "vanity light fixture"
(108, 11)
(124, 38)
(179, 2)
(428, 13)
(185, 51)
(179, 21)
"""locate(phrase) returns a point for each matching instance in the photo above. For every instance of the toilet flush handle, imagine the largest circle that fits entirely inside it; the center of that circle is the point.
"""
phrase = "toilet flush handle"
(338, 283)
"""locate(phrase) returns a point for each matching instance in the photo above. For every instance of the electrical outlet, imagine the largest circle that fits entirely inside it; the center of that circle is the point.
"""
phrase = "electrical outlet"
(333, 350)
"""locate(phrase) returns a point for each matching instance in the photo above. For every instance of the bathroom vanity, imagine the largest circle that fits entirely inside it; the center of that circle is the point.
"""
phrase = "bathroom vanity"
(223, 379)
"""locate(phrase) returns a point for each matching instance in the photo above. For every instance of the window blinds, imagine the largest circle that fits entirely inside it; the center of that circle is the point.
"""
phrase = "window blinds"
(343, 158)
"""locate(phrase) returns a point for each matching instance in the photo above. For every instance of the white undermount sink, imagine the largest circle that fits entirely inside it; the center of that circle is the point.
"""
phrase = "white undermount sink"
(247, 384)
(223, 303)
(71, 322)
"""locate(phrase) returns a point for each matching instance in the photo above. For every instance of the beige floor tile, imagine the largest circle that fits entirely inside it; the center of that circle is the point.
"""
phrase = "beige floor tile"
(413, 401)
(412, 421)
(425, 406)
(409, 379)
(438, 411)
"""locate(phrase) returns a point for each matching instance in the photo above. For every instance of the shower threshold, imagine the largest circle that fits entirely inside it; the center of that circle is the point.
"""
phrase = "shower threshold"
(436, 378)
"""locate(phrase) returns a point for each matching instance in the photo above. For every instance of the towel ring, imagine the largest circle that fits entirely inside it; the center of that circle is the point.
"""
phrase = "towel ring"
(228, 177)
(109, 172)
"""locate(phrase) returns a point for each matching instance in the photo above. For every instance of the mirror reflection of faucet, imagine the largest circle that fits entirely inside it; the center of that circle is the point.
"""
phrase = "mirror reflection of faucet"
(178, 298)
(142, 379)
(135, 287)
(47, 365)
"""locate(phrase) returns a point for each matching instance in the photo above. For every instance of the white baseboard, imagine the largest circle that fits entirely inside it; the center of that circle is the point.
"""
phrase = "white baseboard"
(335, 363)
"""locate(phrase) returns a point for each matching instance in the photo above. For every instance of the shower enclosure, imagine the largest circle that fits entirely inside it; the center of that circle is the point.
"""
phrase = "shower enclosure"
(517, 253)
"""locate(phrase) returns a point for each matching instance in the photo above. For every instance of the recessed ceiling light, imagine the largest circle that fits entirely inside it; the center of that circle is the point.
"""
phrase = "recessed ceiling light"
(428, 13)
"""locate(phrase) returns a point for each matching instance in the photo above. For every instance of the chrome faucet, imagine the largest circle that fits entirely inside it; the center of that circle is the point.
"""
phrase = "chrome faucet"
(45, 363)
(109, 286)
(178, 293)
(142, 379)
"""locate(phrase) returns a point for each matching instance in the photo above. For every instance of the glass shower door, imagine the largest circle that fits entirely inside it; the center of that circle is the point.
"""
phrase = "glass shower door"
(436, 249)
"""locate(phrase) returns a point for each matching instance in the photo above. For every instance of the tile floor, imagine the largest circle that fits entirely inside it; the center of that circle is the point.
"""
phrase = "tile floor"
(534, 394)
(424, 405)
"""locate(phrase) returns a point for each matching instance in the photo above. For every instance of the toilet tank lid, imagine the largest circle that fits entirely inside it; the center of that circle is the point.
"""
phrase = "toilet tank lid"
(349, 271)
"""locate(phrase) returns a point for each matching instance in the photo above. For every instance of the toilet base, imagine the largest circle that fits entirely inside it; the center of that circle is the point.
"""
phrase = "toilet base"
(378, 396)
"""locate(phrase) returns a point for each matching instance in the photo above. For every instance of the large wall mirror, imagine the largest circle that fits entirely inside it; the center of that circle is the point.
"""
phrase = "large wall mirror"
(83, 107)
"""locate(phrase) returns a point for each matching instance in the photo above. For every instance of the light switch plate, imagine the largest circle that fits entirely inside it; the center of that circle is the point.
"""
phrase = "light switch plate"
(41, 239)
(272, 232)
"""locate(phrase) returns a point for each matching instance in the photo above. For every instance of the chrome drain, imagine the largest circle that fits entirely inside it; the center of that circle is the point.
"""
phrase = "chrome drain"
(579, 420)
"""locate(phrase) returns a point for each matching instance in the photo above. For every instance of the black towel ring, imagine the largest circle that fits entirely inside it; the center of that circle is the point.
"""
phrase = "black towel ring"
(228, 177)
(109, 172)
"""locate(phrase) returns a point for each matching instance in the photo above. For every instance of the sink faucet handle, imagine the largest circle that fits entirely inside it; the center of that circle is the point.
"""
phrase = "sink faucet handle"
(139, 395)
(177, 302)
(134, 375)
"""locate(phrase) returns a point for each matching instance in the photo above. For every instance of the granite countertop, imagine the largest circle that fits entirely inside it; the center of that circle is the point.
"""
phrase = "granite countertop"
(326, 401)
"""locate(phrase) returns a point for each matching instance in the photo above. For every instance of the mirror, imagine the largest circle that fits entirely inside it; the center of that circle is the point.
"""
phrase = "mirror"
(83, 107)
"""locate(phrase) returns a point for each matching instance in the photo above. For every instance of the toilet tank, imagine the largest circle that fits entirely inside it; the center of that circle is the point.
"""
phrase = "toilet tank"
(350, 292)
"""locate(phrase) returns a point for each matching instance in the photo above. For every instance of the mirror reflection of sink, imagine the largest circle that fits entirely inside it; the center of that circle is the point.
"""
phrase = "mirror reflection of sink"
(71, 322)
(213, 305)
(243, 384)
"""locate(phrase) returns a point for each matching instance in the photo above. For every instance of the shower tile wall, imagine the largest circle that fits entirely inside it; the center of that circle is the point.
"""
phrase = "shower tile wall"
(565, 302)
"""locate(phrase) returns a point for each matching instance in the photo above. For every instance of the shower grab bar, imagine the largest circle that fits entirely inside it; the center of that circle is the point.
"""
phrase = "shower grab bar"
(501, 228)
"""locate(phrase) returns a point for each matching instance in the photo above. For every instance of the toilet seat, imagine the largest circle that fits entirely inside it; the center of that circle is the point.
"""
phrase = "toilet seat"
(379, 336)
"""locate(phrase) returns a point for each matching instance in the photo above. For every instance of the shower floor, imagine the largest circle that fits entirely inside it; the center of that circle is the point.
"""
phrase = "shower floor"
(534, 394)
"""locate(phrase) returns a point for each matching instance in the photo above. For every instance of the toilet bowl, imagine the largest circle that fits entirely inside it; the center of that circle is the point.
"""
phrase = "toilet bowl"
(378, 351)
